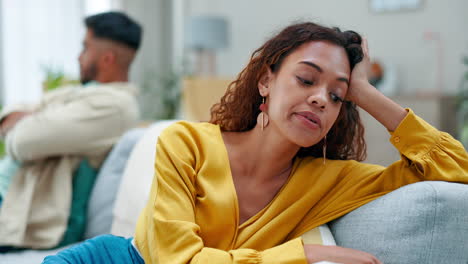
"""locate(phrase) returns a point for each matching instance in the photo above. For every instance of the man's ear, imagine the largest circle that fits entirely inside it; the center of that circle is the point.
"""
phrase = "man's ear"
(108, 58)
(264, 83)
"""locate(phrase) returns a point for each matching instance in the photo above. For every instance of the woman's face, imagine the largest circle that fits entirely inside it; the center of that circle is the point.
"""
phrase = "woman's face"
(305, 95)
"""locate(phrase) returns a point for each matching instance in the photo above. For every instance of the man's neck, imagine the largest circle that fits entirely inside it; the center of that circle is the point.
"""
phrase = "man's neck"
(112, 78)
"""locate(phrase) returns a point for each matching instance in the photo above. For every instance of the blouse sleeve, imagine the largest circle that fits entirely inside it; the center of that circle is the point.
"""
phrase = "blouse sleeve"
(168, 232)
(426, 155)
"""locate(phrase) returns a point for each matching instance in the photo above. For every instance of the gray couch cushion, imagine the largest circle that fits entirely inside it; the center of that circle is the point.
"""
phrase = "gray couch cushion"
(426, 222)
(101, 202)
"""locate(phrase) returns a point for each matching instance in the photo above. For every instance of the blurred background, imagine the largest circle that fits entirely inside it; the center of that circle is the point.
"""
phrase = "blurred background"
(193, 48)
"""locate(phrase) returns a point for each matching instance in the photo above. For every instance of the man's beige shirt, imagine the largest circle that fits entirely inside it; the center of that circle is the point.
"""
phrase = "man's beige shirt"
(70, 124)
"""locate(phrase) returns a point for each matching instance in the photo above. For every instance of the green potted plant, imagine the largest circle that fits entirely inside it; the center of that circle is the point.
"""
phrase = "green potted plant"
(160, 95)
(55, 77)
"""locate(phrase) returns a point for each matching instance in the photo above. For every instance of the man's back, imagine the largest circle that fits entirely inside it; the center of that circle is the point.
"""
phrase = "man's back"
(51, 140)
(75, 125)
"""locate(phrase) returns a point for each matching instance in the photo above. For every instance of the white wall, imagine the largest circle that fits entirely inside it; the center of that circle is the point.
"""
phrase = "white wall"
(154, 59)
(154, 56)
(393, 37)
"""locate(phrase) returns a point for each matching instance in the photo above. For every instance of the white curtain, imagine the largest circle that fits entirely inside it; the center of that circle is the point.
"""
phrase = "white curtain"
(36, 34)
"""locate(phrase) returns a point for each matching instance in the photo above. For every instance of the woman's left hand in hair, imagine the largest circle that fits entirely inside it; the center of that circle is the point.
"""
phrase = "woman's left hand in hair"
(366, 96)
(359, 76)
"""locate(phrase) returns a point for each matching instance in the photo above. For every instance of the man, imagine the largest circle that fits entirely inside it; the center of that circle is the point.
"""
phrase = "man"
(58, 144)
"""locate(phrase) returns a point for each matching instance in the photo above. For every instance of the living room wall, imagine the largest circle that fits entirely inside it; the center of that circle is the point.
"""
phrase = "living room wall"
(155, 60)
(154, 15)
(396, 38)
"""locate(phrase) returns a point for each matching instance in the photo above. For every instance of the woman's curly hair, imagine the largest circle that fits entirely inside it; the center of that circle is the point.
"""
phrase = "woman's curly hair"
(239, 107)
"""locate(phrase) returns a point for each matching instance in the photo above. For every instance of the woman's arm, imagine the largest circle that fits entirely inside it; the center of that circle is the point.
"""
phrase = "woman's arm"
(316, 253)
(366, 96)
(426, 155)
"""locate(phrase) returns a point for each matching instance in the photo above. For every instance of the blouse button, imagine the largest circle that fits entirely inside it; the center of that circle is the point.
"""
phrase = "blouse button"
(397, 139)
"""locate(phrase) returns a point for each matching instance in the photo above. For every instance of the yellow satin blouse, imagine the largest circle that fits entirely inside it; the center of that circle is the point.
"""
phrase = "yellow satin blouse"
(192, 215)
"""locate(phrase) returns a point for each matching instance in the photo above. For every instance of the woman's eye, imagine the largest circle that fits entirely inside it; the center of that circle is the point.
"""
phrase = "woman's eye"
(335, 98)
(304, 81)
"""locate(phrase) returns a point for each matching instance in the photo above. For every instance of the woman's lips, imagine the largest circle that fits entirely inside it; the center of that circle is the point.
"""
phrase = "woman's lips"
(309, 119)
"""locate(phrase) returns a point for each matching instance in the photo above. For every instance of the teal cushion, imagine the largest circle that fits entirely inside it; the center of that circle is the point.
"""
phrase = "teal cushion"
(83, 182)
(8, 168)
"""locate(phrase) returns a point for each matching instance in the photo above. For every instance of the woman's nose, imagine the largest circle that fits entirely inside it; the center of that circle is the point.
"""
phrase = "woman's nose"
(318, 98)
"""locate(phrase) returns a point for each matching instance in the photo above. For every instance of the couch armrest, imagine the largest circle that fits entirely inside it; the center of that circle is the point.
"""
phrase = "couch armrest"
(425, 222)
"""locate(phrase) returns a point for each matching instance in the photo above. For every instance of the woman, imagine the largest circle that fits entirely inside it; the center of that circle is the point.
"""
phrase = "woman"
(279, 158)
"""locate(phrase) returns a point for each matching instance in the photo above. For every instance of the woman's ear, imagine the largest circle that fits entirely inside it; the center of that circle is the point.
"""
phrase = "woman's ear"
(264, 83)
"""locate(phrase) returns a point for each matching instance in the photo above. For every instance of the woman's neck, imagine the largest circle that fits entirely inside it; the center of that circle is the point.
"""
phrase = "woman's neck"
(259, 155)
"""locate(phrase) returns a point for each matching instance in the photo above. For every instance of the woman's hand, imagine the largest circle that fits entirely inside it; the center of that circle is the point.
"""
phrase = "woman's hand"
(316, 253)
(359, 76)
(366, 96)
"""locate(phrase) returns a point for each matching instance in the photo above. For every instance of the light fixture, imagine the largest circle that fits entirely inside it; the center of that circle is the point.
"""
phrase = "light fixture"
(205, 35)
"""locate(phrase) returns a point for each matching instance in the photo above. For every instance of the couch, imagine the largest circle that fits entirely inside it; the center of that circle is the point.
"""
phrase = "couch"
(426, 222)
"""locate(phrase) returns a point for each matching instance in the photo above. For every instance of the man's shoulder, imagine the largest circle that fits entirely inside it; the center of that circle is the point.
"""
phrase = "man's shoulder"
(110, 88)
(107, 94)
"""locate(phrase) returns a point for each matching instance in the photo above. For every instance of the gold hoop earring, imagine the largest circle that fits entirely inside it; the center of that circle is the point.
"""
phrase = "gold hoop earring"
(324, 149)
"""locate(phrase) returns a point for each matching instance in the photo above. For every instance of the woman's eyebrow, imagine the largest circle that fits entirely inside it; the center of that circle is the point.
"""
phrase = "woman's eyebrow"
(315, 66)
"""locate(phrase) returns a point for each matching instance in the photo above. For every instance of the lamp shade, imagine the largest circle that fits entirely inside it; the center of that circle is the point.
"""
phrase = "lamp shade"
(207, 33)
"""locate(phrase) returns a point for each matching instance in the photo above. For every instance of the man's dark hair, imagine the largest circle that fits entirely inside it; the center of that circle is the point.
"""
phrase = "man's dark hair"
(115, 26)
